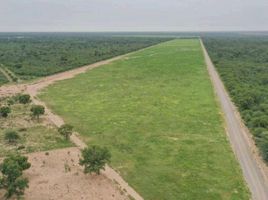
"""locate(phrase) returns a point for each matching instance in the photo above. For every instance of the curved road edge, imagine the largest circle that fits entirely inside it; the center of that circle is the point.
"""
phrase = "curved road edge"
(240, 140)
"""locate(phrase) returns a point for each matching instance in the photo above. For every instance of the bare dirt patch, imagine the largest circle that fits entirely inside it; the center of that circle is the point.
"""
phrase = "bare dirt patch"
(57, 175)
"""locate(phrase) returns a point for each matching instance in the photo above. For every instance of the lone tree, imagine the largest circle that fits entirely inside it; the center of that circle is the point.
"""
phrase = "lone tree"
(37, 110)
(11, 137)
(24, 98)
(94, 159)
(11, 178)
(66, 130)
(4, 111)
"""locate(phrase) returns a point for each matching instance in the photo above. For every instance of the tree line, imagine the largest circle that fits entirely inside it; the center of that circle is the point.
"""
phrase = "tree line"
(35, 55)
(242, 63)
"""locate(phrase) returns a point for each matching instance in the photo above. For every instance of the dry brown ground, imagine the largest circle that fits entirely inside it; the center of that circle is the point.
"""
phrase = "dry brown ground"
(56, 175)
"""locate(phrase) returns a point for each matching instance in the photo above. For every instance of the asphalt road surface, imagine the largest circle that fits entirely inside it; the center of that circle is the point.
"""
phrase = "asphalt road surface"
(239, 139)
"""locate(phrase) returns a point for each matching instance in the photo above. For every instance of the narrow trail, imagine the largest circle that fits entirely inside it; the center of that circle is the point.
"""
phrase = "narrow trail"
(33, 88)
(254, 169)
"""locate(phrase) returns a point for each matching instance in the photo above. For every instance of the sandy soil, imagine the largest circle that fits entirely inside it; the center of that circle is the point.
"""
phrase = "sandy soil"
(57, 175)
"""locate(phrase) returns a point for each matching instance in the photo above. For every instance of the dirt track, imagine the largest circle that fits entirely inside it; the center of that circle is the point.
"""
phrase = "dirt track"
(254, 170)
(35, 87)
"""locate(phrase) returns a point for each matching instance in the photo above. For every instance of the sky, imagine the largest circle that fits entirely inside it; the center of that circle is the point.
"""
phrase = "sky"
(133, 15)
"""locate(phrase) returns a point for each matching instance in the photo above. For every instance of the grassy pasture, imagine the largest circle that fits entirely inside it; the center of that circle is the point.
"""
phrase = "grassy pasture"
(156, 111)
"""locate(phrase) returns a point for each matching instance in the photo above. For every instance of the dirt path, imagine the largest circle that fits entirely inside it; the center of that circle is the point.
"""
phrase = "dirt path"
(35, 87)
(254, 170)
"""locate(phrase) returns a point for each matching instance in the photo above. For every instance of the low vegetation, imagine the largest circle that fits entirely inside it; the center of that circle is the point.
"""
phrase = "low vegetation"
(243, 65)
(66, 130)
(156, 112)
(37, 110)
(24, 98)
(11, 137)
(20, 133)
(4, 111)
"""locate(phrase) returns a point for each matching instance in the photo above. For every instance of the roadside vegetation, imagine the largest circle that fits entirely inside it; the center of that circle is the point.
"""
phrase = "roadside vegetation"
(243, 65)
(156, 113)
(31, 55)
(24, 131)
(3, 79)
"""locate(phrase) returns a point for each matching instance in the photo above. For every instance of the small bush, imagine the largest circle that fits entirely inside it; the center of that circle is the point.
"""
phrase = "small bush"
(11, 137)
(10, 101)
(4, 111)
(24, 98)
(37, 110)
(66, 130)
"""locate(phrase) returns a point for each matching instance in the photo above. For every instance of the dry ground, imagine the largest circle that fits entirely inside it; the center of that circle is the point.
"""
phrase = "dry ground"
(57, 175)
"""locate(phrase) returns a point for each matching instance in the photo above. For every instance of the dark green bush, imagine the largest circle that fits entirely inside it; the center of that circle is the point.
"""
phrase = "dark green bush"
(24, 98)
(11, 136)
(4, 111)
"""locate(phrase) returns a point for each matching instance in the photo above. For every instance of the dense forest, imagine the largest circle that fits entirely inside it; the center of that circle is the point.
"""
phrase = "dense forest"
(30, 55)
(243, 65)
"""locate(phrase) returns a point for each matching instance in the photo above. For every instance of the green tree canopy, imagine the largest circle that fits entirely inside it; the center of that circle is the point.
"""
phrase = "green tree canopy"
(11, 178)
(66, 130)
(94, 159)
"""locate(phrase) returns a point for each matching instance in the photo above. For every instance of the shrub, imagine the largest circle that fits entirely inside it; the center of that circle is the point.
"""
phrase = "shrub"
(4, 111)
(24, 98)
(10, 101)
(11, 136)
(94, 159)
(37, 110)
(66, 130)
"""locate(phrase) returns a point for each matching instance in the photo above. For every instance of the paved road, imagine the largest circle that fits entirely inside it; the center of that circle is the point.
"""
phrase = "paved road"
(240, 140)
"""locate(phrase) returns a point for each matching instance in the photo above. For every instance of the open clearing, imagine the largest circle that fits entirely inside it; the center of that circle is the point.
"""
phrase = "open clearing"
(57, 175)
(156, 112)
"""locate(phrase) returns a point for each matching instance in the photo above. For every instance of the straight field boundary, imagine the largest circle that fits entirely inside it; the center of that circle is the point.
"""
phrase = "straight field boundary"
(241, 142)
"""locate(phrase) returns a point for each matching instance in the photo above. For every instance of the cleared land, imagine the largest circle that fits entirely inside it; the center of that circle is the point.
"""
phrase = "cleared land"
(156, 112)
(57, 175)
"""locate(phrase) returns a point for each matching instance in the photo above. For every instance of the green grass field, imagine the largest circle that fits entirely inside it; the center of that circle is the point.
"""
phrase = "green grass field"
(156, 111)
